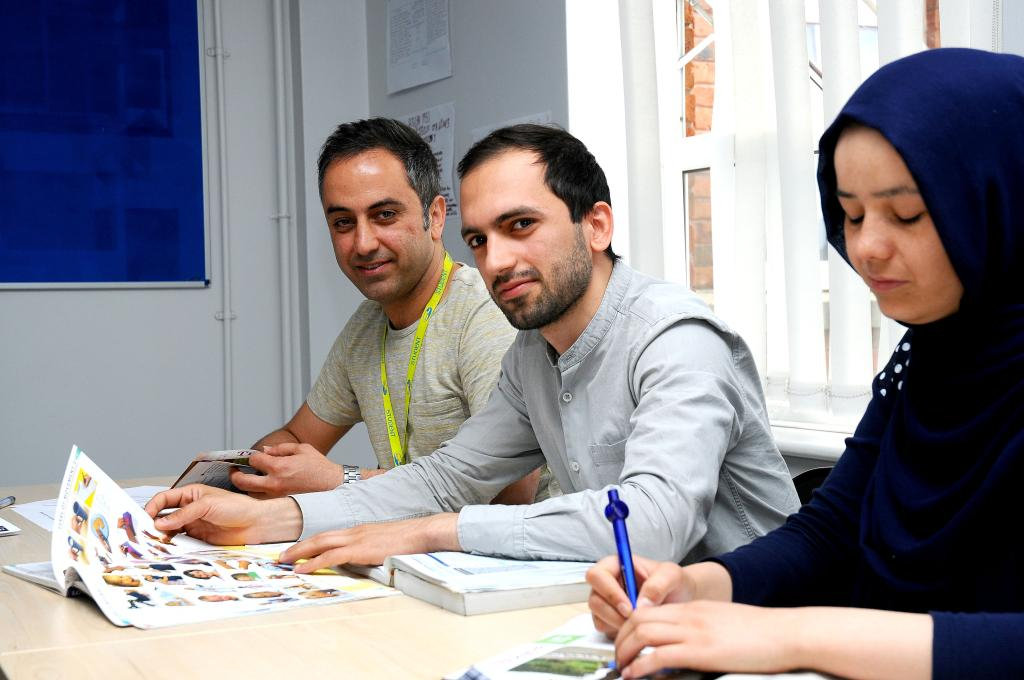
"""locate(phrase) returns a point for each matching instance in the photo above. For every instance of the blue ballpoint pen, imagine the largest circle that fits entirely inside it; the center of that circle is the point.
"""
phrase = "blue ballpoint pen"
(616, 511)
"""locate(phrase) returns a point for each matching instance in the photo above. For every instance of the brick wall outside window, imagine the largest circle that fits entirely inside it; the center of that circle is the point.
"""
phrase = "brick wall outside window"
(698, 102)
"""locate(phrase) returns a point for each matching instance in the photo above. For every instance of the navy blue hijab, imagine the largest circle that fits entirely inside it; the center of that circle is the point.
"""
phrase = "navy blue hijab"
(948, 487)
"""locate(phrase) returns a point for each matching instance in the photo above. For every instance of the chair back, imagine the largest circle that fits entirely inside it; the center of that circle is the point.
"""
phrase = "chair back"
(809, 480)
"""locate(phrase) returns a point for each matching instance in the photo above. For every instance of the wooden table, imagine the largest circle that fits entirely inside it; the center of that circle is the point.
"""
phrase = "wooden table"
(44, 635)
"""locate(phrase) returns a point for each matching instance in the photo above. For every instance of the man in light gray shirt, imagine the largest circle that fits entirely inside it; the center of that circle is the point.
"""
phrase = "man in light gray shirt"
(614, 379)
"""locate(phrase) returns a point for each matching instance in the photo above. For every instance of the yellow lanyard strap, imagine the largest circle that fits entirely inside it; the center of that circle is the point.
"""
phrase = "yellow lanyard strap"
(397, 449)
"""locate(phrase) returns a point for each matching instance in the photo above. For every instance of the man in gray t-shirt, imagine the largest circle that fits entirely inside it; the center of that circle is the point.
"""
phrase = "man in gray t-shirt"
(458, 368)
(379, 184)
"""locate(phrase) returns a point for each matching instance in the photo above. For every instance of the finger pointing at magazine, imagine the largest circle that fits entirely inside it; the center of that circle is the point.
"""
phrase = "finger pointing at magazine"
(370, 544)
(221, 517)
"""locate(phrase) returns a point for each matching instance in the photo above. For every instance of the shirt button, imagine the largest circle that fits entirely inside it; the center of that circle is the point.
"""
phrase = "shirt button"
(566, 397)
(575, 466)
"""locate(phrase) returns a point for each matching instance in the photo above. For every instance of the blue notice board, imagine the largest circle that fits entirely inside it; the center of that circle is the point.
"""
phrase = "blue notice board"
(101, 152)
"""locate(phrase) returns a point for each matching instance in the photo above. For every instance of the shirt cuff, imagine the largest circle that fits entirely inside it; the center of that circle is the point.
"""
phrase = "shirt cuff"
(323, 511)
(497, 530)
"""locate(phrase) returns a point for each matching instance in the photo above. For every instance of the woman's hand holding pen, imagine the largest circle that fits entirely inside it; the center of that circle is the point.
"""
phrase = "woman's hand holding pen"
(660, 583)
(685, 619)
(709, 636)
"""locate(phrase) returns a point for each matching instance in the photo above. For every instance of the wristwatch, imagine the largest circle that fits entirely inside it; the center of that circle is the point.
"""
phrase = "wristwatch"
(351, 473)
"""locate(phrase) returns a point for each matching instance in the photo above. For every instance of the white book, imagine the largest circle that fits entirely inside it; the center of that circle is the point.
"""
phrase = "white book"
(40, 573)
(475, 584)
(106, 546)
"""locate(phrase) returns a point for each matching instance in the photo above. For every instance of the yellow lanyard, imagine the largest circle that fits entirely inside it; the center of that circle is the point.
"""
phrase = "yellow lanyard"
(397, 449)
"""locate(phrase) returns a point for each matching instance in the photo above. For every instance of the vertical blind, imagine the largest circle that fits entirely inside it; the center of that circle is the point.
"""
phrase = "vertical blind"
(806, 315)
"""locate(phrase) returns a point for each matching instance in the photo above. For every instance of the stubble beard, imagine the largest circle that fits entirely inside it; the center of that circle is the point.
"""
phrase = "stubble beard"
(569, 280)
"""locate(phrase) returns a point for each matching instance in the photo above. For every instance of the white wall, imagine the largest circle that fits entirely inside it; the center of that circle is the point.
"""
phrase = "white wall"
(508, 61)
(333, 84)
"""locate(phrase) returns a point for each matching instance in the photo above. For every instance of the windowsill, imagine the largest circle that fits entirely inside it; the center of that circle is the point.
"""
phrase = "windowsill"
(807, 440)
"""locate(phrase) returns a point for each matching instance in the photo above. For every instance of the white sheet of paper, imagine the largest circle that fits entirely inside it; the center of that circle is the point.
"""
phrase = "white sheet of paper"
(7, 528)
(437, 127)
(419, 49)
(42, 512)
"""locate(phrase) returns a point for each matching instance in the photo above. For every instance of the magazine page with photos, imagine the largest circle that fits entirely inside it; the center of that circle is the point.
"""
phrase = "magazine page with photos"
(141, 577)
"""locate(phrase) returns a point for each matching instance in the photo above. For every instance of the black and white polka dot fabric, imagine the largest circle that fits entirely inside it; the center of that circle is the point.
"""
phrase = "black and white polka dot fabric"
(890, 380)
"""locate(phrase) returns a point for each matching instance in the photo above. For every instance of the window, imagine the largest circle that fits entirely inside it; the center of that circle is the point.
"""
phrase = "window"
(696, 64)
(746, 175)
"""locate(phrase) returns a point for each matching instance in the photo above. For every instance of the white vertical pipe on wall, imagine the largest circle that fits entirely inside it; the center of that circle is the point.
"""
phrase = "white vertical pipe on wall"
(799, 205)
(283, 216)
(643, 158)
(849, 301)
(297, 302)
(225, 315)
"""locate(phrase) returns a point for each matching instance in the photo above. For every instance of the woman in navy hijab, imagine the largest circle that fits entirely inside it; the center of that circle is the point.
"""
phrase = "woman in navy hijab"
(905, 563)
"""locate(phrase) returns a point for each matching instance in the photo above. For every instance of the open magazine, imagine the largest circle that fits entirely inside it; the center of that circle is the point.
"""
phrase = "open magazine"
(103, 544)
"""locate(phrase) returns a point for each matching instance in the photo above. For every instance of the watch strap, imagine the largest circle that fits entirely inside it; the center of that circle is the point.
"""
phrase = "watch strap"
(351, 473)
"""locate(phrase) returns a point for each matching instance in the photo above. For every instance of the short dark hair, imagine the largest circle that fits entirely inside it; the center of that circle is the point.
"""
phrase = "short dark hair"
(352, 139)
(571, 171)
